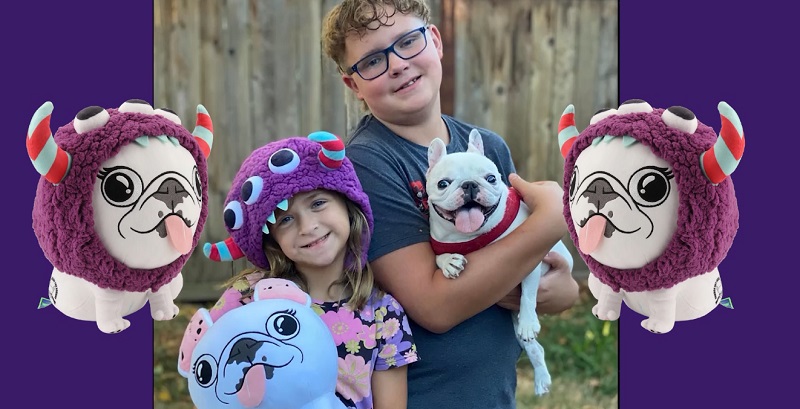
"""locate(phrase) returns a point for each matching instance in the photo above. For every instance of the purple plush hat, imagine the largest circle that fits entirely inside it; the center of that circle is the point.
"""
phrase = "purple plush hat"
(272, 175)
(647, 199)
(120, 202)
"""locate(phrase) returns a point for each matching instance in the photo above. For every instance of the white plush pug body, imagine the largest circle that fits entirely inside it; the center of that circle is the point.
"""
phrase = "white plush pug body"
(472, 207)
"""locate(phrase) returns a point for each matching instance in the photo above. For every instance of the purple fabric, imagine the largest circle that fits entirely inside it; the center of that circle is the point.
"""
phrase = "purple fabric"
(708, 216)
(62, 214)
(307, 176)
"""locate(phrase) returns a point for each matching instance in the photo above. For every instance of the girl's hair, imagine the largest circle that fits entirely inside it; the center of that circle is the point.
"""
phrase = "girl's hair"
(359, 281)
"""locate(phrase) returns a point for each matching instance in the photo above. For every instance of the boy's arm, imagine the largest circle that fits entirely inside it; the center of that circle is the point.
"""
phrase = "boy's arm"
(439, 303)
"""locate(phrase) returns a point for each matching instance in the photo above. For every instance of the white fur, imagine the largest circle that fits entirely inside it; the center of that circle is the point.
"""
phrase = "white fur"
(473, 166)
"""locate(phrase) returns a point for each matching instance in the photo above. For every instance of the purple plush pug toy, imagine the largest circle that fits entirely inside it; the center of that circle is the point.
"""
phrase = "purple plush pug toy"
(649, 202)
(119, 207)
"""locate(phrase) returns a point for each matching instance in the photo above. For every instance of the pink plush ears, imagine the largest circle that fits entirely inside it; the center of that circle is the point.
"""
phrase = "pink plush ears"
(723, 157)
(198, 326)
(278, 288)
(49, 159)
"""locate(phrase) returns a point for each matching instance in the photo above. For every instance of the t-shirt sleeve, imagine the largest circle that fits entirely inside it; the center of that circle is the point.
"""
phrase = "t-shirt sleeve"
(395, 343)
(394, 199)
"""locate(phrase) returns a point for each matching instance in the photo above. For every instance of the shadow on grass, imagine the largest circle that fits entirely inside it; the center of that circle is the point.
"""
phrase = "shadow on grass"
(581, 353)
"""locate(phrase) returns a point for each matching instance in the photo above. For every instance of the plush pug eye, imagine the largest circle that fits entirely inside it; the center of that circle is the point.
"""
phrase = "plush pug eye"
(283, 325)
(90, 118)
(443, 184)
(233, 215)
(205, 370)
(198, 184)
(136, 105)
(491, 179)
(169, 114)
(649, 186)
(601, 115)
(573, 183)
(634, 105)
(251, 189)
(284, 161)
(680, 118)
(121, 186)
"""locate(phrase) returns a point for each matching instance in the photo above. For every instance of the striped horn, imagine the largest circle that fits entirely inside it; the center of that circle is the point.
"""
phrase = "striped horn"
(332, 152)
(722, 159)
(204, 131)
(49, 159)
(225, 250)
(567, 132)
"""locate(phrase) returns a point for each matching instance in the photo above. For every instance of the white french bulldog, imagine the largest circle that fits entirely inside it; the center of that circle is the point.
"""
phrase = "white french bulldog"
(472, 207)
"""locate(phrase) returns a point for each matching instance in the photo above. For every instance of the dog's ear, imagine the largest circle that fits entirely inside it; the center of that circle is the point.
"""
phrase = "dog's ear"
(475, 142)
(436, 151)
(198, 326)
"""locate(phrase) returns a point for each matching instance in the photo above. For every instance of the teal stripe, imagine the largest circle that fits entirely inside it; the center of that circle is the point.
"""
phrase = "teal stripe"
(207, 249)
(567, 133)
(201, 108)
(224, 253)
(322, 136)
(728, 112)
(46, 157)
(570, 109)
(204, 134)
(724, 157)
(335, 155)
(41, 113)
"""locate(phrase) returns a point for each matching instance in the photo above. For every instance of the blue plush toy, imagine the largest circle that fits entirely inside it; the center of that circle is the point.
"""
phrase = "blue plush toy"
(274, 352)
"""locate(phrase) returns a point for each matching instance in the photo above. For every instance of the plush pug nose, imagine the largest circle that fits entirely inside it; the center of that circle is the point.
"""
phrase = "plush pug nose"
(470, 189)
(600, 192)
(171, 192)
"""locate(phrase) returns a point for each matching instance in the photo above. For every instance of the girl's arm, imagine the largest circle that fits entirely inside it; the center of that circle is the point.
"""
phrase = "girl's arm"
(390, 388)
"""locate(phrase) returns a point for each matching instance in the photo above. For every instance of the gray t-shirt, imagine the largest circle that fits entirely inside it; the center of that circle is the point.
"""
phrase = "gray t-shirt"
(474, 364)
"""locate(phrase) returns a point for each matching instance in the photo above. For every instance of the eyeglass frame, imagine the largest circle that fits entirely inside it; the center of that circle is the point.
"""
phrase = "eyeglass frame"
(353, 69)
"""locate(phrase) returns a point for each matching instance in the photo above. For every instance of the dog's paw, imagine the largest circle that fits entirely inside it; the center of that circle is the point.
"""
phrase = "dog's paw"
(451, 264)
(528, 329)
(605, 314)
(164, 312)
(542, 386)
(114, 325)
(657, 326)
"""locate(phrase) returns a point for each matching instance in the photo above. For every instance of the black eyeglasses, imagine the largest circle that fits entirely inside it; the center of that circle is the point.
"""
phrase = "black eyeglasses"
(406, 47)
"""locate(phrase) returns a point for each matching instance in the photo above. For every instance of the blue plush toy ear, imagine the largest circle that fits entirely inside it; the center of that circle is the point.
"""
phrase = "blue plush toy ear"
(278, 288)
(198, 326)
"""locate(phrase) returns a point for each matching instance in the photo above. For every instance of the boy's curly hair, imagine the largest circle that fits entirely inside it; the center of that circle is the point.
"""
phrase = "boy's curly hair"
(359, 16)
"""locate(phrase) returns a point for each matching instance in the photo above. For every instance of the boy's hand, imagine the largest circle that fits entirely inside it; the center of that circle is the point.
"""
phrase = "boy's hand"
(557, 292)
(540, 195)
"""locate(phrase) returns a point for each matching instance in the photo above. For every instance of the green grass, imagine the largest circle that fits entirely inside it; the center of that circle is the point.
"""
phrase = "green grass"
(581, 354)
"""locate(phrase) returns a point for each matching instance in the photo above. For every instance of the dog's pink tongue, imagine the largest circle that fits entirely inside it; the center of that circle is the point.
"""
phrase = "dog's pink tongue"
(253, 388)
(590, 235)
(467, 221)
(179, 234)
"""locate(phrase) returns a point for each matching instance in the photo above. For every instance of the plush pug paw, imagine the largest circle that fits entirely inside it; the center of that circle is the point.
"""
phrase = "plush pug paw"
(657, 326)
(451, 264)
(114, 325)
(605, 312)
(163, 311)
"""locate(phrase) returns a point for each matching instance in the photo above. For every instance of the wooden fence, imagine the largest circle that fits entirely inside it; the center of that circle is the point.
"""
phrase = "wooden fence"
(257, 66)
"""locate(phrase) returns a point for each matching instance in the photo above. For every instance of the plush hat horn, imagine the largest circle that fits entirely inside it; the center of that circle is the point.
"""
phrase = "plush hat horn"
(49, 159)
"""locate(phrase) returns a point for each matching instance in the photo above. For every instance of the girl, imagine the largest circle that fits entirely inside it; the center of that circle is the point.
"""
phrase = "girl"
(296, 211)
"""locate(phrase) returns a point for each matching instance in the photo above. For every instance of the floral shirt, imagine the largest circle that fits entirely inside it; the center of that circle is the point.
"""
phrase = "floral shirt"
(376, 338)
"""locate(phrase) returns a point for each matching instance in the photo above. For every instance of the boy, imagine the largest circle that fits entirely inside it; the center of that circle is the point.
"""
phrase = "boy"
(390, 56)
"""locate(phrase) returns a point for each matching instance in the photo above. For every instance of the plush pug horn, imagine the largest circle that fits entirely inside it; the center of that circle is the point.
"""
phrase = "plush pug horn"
(723, 157)
(49, 159)
(567, 132)
(204, 130)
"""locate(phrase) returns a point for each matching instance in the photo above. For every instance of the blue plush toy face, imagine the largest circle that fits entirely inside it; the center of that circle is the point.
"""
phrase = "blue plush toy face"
(273, 353)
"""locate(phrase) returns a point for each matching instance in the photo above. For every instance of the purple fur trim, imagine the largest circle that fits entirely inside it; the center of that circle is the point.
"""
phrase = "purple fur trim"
(63, 217)
(309, 175)
(708, 216)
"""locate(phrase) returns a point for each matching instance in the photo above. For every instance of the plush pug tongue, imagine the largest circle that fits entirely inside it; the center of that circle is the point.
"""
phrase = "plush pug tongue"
(591, 233)
(179, 234)
(253, 387)
(469, 220)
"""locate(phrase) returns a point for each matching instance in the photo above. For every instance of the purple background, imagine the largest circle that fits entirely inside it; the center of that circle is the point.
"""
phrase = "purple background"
(75, 55)
(671, 53)
(695, 54)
